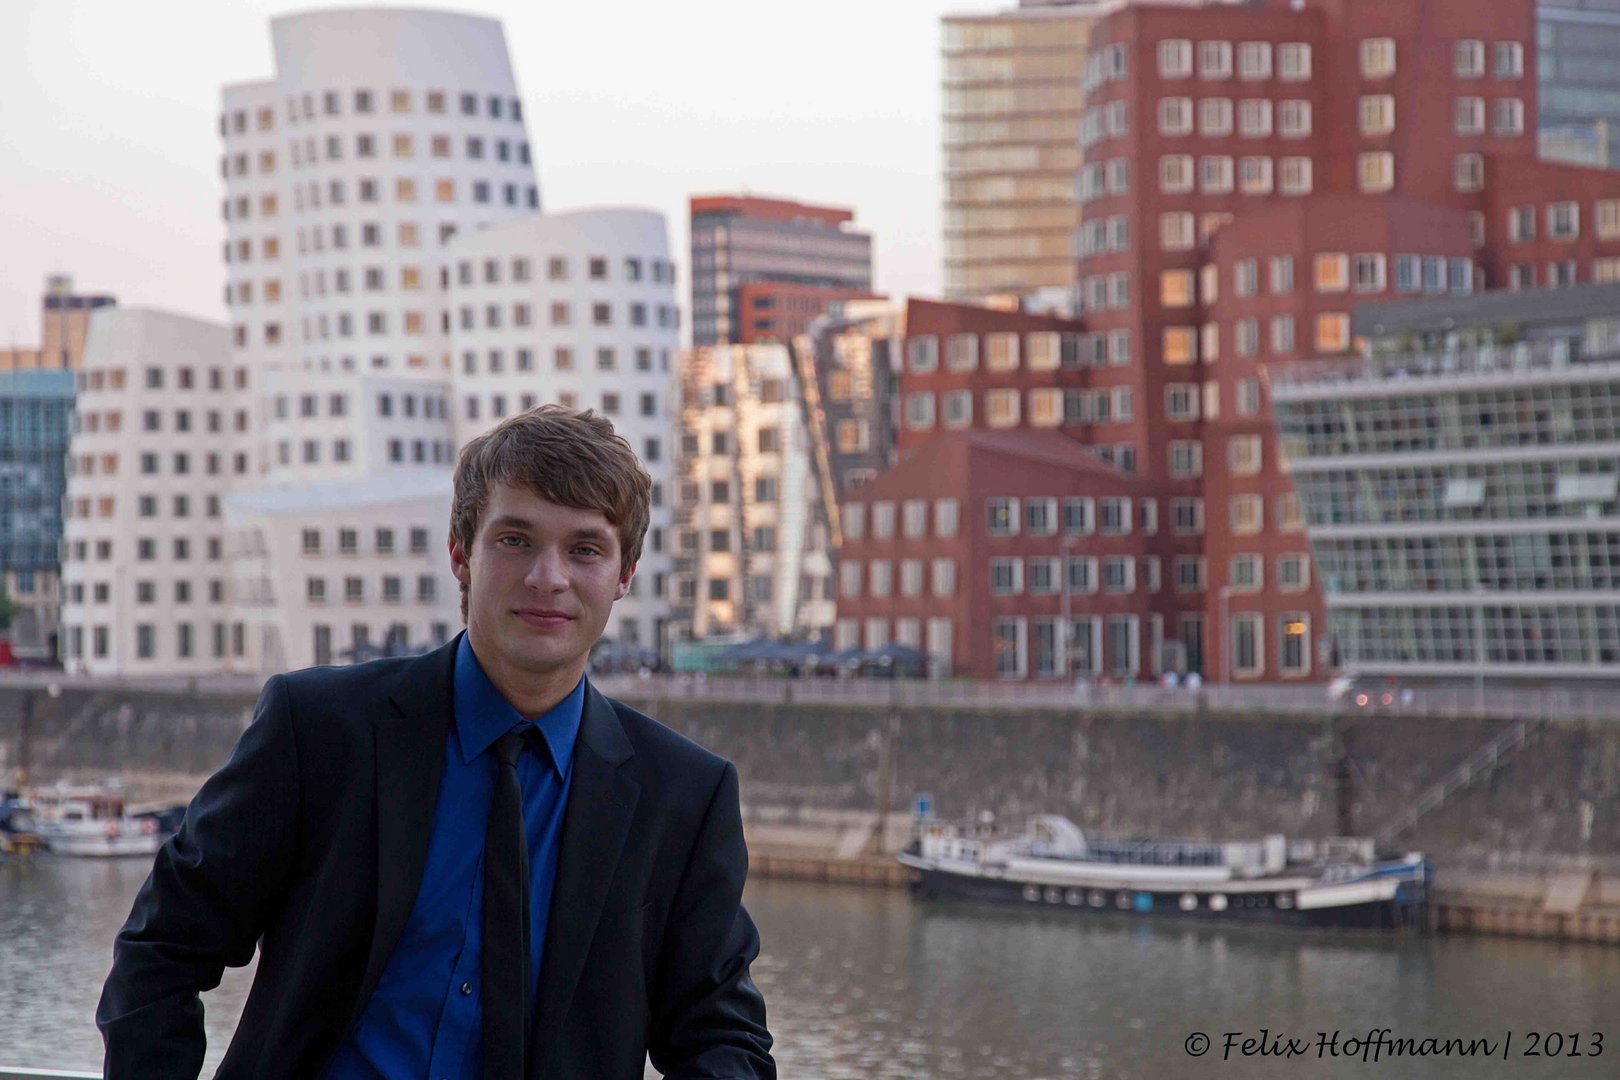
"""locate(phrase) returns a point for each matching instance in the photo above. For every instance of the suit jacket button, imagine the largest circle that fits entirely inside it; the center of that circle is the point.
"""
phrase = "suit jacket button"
(466, 988)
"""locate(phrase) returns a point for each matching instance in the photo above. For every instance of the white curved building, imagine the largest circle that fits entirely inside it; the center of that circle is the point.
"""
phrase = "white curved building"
(577, 308)
(383, 134)
(145, 580)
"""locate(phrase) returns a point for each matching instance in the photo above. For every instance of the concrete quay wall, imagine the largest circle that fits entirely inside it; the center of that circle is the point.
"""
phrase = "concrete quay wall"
(1551, 806)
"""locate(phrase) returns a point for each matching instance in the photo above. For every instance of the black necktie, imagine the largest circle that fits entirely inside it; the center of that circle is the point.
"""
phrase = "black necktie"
(506, 920)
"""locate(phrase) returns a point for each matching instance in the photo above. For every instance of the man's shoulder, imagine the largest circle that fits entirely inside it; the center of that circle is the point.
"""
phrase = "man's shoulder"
(327, 686)
(672, 751)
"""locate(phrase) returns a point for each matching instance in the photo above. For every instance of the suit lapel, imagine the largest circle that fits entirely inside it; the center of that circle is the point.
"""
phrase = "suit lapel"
(410, 741)
(601, 805)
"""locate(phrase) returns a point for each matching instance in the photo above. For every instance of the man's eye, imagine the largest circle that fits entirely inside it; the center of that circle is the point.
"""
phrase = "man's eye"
(586, 549)
(515, 540)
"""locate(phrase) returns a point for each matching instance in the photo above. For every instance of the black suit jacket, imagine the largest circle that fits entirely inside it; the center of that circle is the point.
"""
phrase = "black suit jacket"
(310, 844)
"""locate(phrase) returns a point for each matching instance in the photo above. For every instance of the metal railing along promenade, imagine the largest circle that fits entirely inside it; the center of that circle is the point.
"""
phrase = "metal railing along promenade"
(1600, 702)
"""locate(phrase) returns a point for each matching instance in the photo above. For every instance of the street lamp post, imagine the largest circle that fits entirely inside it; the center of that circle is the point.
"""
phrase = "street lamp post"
(1226, 635)
(1068, 617)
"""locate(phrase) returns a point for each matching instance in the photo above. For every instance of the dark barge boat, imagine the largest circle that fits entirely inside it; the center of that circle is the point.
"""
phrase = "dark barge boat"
(1332, 883)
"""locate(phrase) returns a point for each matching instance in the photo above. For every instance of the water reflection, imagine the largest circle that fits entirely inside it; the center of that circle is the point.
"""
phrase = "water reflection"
(865, 984)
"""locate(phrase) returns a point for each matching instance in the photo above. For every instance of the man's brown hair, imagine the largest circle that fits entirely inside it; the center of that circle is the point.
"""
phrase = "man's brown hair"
(566, 457)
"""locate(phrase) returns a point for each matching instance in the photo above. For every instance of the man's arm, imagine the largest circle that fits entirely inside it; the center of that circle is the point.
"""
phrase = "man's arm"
(205, 903)
(708, 1016)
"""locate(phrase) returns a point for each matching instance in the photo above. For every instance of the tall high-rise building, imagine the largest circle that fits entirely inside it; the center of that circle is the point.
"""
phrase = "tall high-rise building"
(1271, 166)
(1012, 110)
(64, 320)
(762, 269)
(393, 292)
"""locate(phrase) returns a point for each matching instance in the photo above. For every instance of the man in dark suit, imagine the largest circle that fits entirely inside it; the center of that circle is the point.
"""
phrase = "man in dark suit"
(467, 864)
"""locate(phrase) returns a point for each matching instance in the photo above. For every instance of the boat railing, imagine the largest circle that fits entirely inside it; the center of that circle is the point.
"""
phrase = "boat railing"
(1155, 853)
(13, 1072)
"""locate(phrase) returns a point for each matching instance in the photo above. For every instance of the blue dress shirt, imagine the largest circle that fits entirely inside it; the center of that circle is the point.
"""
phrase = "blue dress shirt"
(425, 1017)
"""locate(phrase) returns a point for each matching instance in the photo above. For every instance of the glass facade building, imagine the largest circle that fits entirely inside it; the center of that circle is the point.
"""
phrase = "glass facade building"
(1012, 109)
(1579, 80)
(1461, 484)
(36, 414)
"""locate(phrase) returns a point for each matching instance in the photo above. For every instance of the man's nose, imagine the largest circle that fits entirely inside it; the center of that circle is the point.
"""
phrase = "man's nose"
(546, 573)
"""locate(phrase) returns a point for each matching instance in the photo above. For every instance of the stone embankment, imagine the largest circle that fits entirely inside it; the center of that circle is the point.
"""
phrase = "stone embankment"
(1531, 848)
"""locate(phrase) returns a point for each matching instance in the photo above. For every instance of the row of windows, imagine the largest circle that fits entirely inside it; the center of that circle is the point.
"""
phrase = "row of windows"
(93, 421)
(383, 540)
(377, 323)
(365, 102)
(146, 641)
(1293, 60)
(562, 359)
(914, 519)
(146, 549)
(146, 592)
(1433, 493)
(1453, 634)
(1004, 408)
(432, 406)
(417, 451)
(1043, 351)
(1527, 562)
(156, 378)
(1563, 220)
(1086, 575)
(557, 269)
(1221, 174)
(1550, 414)
(390, 589)
(1219, 117)
(1248, 644)
(151, 465)
(878, 578)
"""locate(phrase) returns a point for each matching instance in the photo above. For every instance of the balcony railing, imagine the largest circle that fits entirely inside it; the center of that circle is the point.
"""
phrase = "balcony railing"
(1294, 381)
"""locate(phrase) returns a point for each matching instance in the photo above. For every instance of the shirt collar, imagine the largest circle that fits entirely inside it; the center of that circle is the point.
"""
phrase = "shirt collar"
(482, 715)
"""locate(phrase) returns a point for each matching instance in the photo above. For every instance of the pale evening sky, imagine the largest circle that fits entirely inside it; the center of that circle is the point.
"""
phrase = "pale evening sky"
(109, 152)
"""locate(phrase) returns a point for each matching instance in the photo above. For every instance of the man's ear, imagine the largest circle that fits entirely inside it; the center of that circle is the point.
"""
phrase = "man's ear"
(458, 562)
(624, 582)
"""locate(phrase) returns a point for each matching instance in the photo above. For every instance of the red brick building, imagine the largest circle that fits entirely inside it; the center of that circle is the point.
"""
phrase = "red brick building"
(777, 311)
(975, 547)
(1253, 173)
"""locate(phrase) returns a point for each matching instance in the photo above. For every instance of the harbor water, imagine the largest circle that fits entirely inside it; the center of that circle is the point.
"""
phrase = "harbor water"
(868, 984)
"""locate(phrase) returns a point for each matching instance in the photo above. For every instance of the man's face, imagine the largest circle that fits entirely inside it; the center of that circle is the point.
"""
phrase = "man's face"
(541, 581)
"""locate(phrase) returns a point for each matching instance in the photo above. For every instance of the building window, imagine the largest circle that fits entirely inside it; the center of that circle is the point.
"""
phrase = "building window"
(1369, 273)
(1377, 58)
(1247, 649)
(1294, 176)
(1254, 60)
(922, 354)
(1282, 334)
(1175, 59)
(1254, 176)
(1006, 576)
(920, 411)
(1001, 408)
(1254, 118)
(1332, 332)
(1177, 231)
(1243, 455)
(1469, 60)
(1294, 119)
(1468, 172)
(1468, 115)
(1115, 516)
(1180, 345)
(1175, 116)
(1186, 459)
(1294, 643)
(1246, 573)
(1294, 61)
(1007, 636)
(1002, 516)
(1332, 273)
(1214, 59)
(1375, 172)
(1176, 174)
(1377, 114)
(1563, 220)
(1293, 572)
(1247, 514)
(962, 352)
(1215, 174)
(1509, 60)
(1215, 117)
(1176, 288)
(1509, 116)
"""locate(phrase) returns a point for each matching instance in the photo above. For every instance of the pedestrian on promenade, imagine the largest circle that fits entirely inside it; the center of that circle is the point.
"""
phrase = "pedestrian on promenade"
(468, 863)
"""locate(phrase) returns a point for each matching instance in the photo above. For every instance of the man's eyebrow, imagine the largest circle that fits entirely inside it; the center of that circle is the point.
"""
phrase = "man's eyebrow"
(511, 521)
